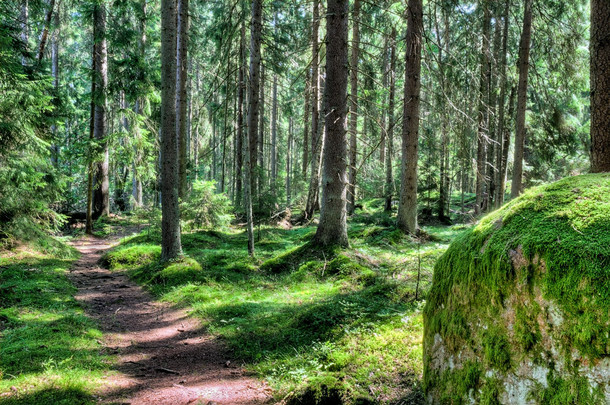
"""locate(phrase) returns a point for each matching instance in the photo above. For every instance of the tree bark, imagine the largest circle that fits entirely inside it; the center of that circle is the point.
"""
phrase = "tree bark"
(443, 41)
(483, 113)
(261, 141)
(407, 208)
(171, 246)
(289, 162)
(91, 152)
(523, 64)
(600, 86)
(490, 178)
(136, 188)
(274, 140)
(501, 126)
(306, 122)
(389, 179)
(101, 194)
(45, 31)
(506, 131)
(332, 229)
(25, 31)
(181, 94)
(316, 139)
(239, 145)
(253, 110)
(353, 109)
(55, 74)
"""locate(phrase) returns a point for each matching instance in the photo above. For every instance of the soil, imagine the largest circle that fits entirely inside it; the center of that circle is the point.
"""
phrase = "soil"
(162, 355)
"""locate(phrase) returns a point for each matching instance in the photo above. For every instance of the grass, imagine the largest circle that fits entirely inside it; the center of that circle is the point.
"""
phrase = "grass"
(49, 350)
(313, 323)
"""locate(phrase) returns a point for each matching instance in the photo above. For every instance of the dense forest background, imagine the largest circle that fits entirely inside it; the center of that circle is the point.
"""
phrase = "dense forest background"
(63, 63)
(304, 197)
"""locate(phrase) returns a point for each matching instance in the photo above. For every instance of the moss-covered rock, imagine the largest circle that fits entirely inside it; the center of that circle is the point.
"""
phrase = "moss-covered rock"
(519, 310)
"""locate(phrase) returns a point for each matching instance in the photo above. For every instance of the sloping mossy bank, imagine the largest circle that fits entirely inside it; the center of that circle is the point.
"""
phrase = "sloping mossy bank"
(519, 309)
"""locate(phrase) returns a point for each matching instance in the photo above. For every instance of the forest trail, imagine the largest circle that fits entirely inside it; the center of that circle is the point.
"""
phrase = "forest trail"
(163, 355)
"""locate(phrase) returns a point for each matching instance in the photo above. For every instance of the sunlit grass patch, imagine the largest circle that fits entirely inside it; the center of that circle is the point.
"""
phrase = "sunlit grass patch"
(49, 350)
(339, 323)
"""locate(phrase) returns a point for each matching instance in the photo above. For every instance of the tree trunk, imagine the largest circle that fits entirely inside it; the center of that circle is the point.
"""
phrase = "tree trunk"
(253, 110)
(261, 141)
(407, 208)
(332, 229)
(171, 246)
(501, 126)
(506, 131)
(353, 110)
(524, 58)
(306, 122)
(136, 188)
(483, 114)
(274, 140)
(101, 194)
(25, 31)
(55, 74)
(239, 144)
(91, 150)
(490, 178)
(316, 139)
(45, 31)
(181, 95)
(289, 162)
(389, 180)
(225, 130)
(443, 200)
(600, 86)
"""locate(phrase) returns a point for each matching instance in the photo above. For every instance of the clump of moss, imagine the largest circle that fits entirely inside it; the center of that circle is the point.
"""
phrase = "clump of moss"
(555, 236)
(131, 257)
(293, 259)
(573, 390)
(459, 382)
(182, 271)
(496, 349)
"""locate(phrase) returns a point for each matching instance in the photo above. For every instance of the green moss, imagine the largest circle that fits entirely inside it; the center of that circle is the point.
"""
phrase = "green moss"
(132, 256)
(457, 383)
(575, 390)
(566, 224)
(526, 330)
(559, 236)
(490, 391)
(496, 349)
(185, 270)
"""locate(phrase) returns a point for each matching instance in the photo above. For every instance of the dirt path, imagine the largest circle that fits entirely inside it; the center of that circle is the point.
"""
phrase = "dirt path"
(163, 356)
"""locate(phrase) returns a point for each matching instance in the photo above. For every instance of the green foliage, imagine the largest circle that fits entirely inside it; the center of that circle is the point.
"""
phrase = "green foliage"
(49, 350)
(205, 208)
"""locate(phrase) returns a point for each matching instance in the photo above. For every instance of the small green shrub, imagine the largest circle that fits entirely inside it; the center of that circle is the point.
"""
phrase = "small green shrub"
(205, 208)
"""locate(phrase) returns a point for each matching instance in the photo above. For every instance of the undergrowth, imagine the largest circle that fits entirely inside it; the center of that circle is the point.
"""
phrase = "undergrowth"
(311, 322)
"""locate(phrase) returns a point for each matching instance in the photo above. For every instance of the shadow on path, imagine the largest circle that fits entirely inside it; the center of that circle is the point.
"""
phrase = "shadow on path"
(163, 356)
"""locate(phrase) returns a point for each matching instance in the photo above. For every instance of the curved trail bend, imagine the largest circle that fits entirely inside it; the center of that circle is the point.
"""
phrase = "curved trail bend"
(163, 357)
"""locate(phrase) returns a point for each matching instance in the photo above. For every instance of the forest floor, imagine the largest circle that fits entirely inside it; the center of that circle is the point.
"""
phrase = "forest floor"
(343, 325)
(293, 325)
(163, 356)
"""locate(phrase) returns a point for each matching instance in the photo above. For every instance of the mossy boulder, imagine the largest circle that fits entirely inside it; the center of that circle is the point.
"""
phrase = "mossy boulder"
(519, 310)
